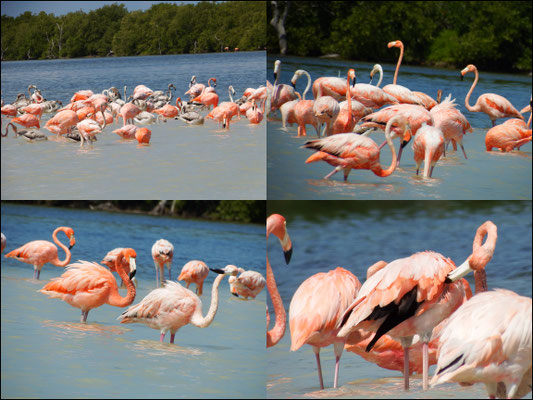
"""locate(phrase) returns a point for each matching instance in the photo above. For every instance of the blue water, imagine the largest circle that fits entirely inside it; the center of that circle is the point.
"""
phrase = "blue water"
(355, 235)
(483, 176)
(46, 352)
(182, 161)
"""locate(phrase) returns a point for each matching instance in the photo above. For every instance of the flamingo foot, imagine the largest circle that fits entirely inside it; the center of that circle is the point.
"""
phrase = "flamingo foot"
(162, 337)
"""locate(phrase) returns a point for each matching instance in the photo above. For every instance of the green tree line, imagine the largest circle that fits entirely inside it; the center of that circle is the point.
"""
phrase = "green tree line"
(163, 29)
(493, 35)
(246, 211)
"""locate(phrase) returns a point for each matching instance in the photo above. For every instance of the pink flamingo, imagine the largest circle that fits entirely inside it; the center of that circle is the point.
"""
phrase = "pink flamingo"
(207, 99)
(198, 88)
(223, 115)
(168, 110)
(315, 310)
(494, 105)
(110, 259)
(141, 92)
(326, 110)
(347, 151)
(408, 297)
(346, 118)
(277, 226)
(428, 145)
(162, 253)
(127, 131)
(303, 109)
(129, 111)
(372, 96)
(9, 110)
(40, 252)
(34, 109)
(506, 137)
(62, 122)
(81, 95)
(87, 285)
(143, 135)
(329, 86)
(280, 93)
(488, 340)
(194, 272)
(88, 129)
(247, 284)
(254, 114)
(170, 307)
(27, 120)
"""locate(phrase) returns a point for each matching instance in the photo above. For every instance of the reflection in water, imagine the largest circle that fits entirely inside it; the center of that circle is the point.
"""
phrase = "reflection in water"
(155, 348)
(70, 327)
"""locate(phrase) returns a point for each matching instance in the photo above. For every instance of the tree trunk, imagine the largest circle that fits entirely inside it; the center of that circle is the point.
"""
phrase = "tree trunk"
(59, 44)
(278, 22)
(160, 208)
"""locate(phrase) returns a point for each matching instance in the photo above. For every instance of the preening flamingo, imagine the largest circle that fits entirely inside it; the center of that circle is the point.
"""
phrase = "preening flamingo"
(170, 307)
(277, 225)
(494, 105)
(347, 151)
(110, 259)
(162, 253)
(29, 134)
(62, 122)
(247, 284)
(372, 96)
(411, 296)
(254, 114)
(428, 146)
(27, 120)
(40, 252)
(315, 310)
(194, 271)
(506, 137)
(88, 285)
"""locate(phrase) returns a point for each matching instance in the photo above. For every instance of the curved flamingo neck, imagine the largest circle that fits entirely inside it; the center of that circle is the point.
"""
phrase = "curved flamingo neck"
(308, 83)
(57, 262)
(209, 81)
(398, 64)
(197, 319)
(482, 254)
(230, 96)
(115, 299)
(349, 96)
(467, 98)
(7, 127)
(278, 330)
(380, 70)
(381, 172)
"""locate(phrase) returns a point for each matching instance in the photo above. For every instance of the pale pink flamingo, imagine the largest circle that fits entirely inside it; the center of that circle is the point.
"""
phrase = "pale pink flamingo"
(34, 109)
(110, 260)
(349, 111)
(347, 151)
(326, 109)
(194, 271)
(506, 137)
(247, 284)
(281, 93)
(428, 146)
(409, 296)
(141, 92)
(10, 110)
(170, 307)
(277, 226)
(329, 86)
(302, 109)
(198, 88)
(62, 122)
(29, 134)
(287, 109)
(127, 131)
(88, 128)
(88, 285)
(372, 96)
(162, 254)
(40, 252)
(315, 310)
(231, 105)
(143, 135)
(254, 114)
(128, 111)
(494, 105)
(27, 120)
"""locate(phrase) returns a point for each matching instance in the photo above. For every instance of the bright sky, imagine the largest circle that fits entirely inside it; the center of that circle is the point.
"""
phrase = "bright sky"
(15, 8)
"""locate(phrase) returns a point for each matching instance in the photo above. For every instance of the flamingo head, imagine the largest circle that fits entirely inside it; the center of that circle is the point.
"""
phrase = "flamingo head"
(277, 67)
(351, 76)
(232, 270)
(395, 43)
(277, 225)
(467, 69)
(130, 256)
(375, 69)
(70, 234)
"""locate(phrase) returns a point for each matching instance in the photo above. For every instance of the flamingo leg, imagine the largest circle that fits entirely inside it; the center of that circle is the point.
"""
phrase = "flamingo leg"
(431, 171)
(156, 273)
(162, 337)
(337, 349)
(317, 355)
(169, 274)
(425, 366)
(36, 272)
(406, 368)
(84, 315)
(172, 337)
(337, 169)
(464, 152)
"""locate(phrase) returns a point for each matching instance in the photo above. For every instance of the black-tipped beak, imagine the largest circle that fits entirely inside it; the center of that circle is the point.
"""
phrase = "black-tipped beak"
(353, 81)
(132, 274)
(293, 84)
(275, 75)
(71, 246)
(288, 254)
(235, 294)
(404, 143)
(218, 270)
(462, 76)
(447, 280)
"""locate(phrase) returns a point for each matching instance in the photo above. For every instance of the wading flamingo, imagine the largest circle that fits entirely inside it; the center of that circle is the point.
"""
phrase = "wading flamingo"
(27, 120)
(247, 284)
(62, 122)
(208, 99)
(194, 272)
(88, 285)
(127, 131)
(281, 93)
(143, 135)
(110, 259)
(88, 128)
(287, 109)
(162, 253)
(40, 252)
(349, 111)
(428, 146)
(277, 225)
(372, 96)
(411, 296)
(347, 151)
(29, 134)
(171, 307)
(315, 310)
(506, 137)
(494, 105)
(303, 109)
(254, 114)
(129, 111)
(326, 109)
(329, 86)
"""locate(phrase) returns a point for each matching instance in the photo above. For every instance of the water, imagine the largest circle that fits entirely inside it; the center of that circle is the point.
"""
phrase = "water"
(46, 352)
(483, 176)
(181, 161)
(354, 235)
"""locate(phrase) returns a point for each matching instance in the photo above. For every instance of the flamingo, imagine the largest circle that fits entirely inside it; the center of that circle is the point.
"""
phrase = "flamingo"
(194, 271)
(372, 96)
(277, 225)
(247, 284)
(428, 145)
(207, 99)
(494, 105)
(171, 307)
(9, 109)
(88, 285)
(29, 134)
(40, 252)
(411, 296)
(162, 253)
(34, 109)
(254, 114)
(141, 92)
(349, 112)
(143, 135)
(329, 86)
(223, 115)
(488, 340)
(347, 151)
(506, 137)
(168, 110)
(88, 129)
(316, 307)
(27, 120)
(280, 93)
(287, 109)
(62, 122)
(303, 109)
(325, 109)
(144, 118)
(81, 95)
(196, 89)
(129, 111)
(127, 131)
(110, 259)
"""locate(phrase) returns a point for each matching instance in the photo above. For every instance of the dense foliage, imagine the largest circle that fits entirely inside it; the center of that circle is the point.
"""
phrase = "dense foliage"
(246, 211)
(163, 29)
(493, 35)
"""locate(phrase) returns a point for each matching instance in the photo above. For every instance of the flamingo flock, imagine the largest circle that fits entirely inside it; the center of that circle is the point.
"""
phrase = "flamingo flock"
(88, 285)
(367, 107)
(411, 313)
(89, 113)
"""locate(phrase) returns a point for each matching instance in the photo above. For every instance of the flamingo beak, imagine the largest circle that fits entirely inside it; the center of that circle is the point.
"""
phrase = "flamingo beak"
(287, 254)
(459, 272)
(354, 80)
(235, 294)
(72, 242)
(133, 267)
(217, 270)
(371, 79)
(293, 84)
